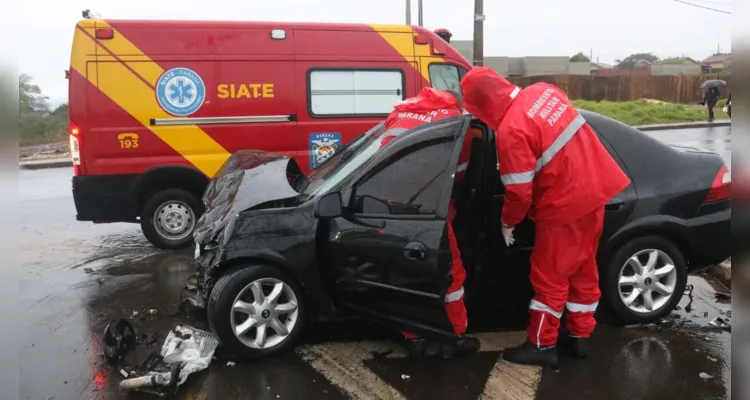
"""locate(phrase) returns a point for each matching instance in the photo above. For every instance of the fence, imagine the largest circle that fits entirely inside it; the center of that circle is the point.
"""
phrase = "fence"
(673, 89)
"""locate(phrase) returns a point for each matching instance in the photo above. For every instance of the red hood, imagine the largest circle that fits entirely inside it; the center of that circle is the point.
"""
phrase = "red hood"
(429, 99)
(487, 95)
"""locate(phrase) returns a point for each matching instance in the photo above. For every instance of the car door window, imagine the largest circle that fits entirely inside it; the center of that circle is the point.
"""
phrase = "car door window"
(447, 77)
(409, 183)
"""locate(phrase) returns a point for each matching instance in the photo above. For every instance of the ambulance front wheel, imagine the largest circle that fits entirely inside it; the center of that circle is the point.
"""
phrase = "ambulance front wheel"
(169, 217)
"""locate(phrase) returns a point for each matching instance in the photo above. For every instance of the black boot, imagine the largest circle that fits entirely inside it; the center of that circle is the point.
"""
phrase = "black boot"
(529, 354)
(415, 347)
(462, 346)
(577, 346)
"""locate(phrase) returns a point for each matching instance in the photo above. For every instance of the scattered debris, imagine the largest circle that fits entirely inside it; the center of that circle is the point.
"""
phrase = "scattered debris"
(186, 350)
(152, 311)
(118, 340)
(88, 270)
(124, 373)
(689, 292)
(704, 375)
(721, 323)
(405, 377)
(697, 315)
(712, 359)
(723, 296)
(135, 314)
(230, 364)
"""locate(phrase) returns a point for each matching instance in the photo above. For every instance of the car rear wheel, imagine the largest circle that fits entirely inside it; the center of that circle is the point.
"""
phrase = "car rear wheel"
(169, 217)
(257, 311)
(645, 279)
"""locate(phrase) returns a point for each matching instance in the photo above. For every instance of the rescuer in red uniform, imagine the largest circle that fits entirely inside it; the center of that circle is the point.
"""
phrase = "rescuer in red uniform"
(429, 106)
(550, 157)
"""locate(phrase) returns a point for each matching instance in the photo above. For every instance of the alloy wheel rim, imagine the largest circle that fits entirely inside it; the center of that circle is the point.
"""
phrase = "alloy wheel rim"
(174, 220)
(647, 281)
(264, 313)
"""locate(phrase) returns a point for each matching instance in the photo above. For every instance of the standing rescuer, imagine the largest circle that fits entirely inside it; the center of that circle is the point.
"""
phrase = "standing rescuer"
(429, 106)
(550, 157)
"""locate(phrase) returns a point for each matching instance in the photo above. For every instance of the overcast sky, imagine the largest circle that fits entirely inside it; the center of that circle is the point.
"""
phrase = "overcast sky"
(612, 29)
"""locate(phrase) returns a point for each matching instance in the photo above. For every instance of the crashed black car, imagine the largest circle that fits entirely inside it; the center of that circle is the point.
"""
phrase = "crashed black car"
(365, 234)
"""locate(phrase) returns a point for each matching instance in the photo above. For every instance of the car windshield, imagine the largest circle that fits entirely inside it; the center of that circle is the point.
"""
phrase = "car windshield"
(344, 162)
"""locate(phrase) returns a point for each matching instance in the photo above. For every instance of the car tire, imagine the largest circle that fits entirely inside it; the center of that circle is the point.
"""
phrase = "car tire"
(649, 283)
(237, 284)
(169, 217)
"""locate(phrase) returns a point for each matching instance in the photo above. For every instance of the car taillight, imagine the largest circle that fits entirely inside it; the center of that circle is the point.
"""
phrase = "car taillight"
(722, 186)
(75, 147)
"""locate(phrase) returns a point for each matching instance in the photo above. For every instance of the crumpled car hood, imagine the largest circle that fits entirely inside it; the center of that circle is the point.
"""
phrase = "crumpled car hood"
(247, 179)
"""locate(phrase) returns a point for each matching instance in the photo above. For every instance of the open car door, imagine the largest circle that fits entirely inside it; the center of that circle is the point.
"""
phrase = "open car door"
(387, 257)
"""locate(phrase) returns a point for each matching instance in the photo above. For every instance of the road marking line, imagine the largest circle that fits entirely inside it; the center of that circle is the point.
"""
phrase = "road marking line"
(343, 365)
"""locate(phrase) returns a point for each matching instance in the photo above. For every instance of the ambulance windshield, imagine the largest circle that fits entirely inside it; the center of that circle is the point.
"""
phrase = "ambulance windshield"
(344, 162)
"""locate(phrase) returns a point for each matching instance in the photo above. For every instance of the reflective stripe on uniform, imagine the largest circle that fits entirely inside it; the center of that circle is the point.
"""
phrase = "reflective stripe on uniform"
(561, 141)
(577, 307)
(454, 296)
(515, 92)
(462, 167)
(514, 179)
(557, 145)
(539, 306)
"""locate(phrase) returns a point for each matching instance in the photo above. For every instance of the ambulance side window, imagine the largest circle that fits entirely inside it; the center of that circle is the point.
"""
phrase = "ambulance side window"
(446, 77)
(339, 92)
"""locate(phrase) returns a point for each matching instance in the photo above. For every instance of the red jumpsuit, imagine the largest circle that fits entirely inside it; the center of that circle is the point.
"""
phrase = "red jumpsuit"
(551, 158)
(429, 106)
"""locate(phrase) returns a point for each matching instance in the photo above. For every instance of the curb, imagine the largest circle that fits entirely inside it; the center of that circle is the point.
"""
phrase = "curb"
(44, 164)
(684, 125)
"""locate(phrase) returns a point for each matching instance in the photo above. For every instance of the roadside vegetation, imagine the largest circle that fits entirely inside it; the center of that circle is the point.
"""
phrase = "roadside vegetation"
(38, 124)
(647, 112)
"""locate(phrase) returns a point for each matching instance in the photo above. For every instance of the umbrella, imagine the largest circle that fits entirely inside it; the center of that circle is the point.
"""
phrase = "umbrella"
(713, 83)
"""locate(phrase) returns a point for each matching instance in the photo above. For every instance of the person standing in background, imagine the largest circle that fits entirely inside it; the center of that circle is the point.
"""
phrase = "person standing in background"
(710, 99)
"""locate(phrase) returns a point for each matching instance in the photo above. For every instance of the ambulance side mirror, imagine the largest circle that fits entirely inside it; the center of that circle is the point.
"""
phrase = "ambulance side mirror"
(329, 206)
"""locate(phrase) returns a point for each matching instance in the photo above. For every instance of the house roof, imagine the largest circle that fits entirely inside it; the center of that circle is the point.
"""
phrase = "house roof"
(602, 65)
(717, 58)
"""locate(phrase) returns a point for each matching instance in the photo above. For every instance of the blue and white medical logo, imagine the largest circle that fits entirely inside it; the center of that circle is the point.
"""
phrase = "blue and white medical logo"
(322, 147)
(180, 91)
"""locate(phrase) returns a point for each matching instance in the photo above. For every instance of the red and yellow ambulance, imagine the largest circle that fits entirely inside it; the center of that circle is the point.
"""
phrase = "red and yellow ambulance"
(156, 107)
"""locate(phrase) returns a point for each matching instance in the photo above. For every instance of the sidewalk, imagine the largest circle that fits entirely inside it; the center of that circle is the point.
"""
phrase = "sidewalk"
(685, 125)
(46, 163)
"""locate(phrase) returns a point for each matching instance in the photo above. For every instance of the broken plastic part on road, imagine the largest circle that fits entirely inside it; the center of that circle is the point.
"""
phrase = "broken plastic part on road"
(186, 350)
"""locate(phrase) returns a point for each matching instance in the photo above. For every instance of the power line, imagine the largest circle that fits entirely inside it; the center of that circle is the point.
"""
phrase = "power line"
(703, 7)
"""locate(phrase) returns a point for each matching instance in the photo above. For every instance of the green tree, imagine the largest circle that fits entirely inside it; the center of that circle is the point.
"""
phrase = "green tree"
(580, 57)
(36, 123)
(30, 98)
(630, 61)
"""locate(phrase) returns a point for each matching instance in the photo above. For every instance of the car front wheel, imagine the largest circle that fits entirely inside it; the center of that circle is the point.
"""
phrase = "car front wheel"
(257, 311)
(645, 279)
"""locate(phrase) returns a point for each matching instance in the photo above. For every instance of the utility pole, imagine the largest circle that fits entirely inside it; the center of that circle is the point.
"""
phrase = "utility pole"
(479, 33)
(419, 13)
(408, 12)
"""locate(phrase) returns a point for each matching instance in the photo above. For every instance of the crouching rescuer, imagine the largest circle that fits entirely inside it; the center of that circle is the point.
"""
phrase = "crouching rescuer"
(429, 106)
(550, 157)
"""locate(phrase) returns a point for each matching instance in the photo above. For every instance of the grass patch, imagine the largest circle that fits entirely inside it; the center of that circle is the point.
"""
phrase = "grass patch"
(643, 112)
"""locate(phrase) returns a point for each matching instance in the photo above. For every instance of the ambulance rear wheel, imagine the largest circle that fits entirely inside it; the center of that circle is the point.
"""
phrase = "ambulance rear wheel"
(169, 217)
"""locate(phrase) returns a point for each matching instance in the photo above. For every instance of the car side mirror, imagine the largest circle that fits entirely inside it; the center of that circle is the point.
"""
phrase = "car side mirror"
(329, 206)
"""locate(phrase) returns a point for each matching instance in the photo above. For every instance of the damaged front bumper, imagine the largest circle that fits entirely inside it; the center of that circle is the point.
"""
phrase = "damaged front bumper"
(198, 286)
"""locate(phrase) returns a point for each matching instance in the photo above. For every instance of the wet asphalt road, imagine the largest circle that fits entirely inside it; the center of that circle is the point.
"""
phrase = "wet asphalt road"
(76, 277)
